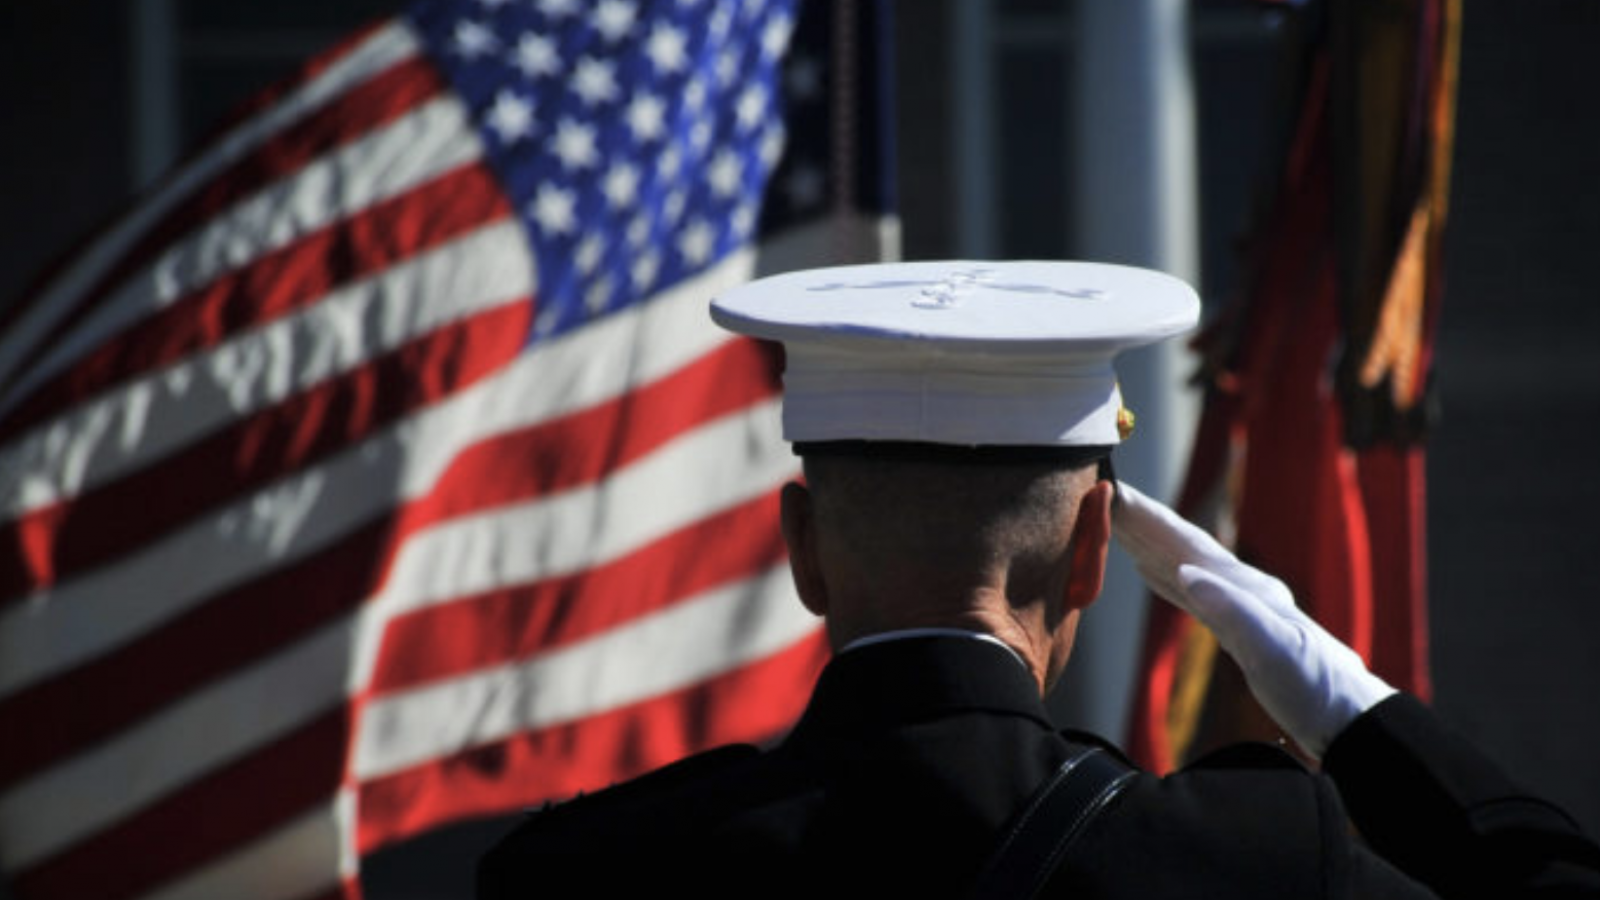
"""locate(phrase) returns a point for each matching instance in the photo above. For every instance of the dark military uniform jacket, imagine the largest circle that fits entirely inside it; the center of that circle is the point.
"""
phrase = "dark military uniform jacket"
(914, 754)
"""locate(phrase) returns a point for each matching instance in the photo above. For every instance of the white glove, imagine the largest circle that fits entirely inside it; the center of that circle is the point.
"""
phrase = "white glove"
(1311, 684)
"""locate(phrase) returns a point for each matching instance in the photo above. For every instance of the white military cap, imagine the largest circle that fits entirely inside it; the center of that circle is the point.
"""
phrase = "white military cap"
(959, 353)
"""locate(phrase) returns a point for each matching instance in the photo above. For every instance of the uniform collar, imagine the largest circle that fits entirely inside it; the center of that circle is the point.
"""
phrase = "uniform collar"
(910, 677)
(905, 633)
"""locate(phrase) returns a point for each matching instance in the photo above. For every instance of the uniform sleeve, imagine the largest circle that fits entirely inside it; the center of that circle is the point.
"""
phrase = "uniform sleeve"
(1247, 821)
(1429, 803)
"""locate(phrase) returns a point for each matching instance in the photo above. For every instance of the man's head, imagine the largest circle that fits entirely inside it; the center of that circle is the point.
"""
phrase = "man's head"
(949, 414)
(1014, 549)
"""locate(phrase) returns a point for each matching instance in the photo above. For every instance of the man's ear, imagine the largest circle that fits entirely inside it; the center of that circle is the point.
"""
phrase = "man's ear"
(799, 532)
(1091, 539)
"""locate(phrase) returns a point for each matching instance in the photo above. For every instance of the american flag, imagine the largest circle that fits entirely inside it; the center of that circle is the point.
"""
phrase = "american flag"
(381, 467)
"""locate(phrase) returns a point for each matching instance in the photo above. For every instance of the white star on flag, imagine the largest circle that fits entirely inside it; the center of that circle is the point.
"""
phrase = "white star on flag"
(595, 80)
(644, 269)
(726, 173)
(598, 296)
(743, 222)
(721, 23)
(559, 9)
(775, 37)
(672, 208)
(669, 163)
(511, 117)
(536, 56)
(700, 134)
(727, 68)
(694, 95)
(575, 144)
(621, 185)
(771, 148)
(473, 40)
(638, 231)
(646, 117)
(589, 253)
(553, 209)
(697, 242)
(665, 46)
(752, 106)
(614, 19)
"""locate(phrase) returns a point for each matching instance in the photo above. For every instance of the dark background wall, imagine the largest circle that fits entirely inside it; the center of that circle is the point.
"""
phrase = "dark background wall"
(1515, 485)
(1513, 547)
(63, 117)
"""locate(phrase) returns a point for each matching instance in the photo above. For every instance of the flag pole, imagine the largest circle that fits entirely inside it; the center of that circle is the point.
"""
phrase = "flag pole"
(152, 90)
(1136, 203)
(973, 130)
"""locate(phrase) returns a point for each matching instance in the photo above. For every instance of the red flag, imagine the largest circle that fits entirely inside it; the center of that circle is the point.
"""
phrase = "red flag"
(1308, 456)
(382, 467)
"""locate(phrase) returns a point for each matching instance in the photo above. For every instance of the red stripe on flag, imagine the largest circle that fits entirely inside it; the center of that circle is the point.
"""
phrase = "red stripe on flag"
(371, 104)
(273, 286)
(516, 623)
(67, 538)
(252, 620)
(1150, 741)
(205, 820)
(225, 633)
(362, 109)
(561, 760)
(1393, 486)
(242, 624)
(587, 445)
(1299, 509)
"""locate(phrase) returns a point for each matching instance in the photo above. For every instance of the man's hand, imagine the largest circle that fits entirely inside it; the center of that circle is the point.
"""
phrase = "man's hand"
(1308, 681)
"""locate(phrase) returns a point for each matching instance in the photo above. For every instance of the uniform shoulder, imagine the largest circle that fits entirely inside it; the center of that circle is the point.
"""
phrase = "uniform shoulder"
(1276, 783)
(664, 787)
(1248, 820)
(1249, 756)
(563, 840)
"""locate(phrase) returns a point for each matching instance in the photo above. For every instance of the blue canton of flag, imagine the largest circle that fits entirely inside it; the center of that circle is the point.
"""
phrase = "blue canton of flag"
(634, 139)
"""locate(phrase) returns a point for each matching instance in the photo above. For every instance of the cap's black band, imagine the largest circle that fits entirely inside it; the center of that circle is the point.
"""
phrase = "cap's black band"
(987, 454)
(1106, 472)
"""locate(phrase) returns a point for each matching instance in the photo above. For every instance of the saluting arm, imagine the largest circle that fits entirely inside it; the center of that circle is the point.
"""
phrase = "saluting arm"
(1425, 799)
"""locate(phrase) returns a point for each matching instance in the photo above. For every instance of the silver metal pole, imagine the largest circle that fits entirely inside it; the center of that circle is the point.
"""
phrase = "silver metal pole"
(154, 90)
(973, 131)
(1137, 203)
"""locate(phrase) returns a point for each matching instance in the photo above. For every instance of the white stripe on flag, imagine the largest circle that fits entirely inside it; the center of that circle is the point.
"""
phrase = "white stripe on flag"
(433, 139)
(674, 648)
(140, 422)
(304, 512)
(689, 479)
(683, 482)
(384, 48)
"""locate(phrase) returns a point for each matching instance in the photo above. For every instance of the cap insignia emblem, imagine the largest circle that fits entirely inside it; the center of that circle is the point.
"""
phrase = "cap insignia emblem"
(946, 292)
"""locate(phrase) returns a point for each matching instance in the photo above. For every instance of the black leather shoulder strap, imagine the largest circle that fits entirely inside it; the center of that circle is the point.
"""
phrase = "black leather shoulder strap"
(1040, 836)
